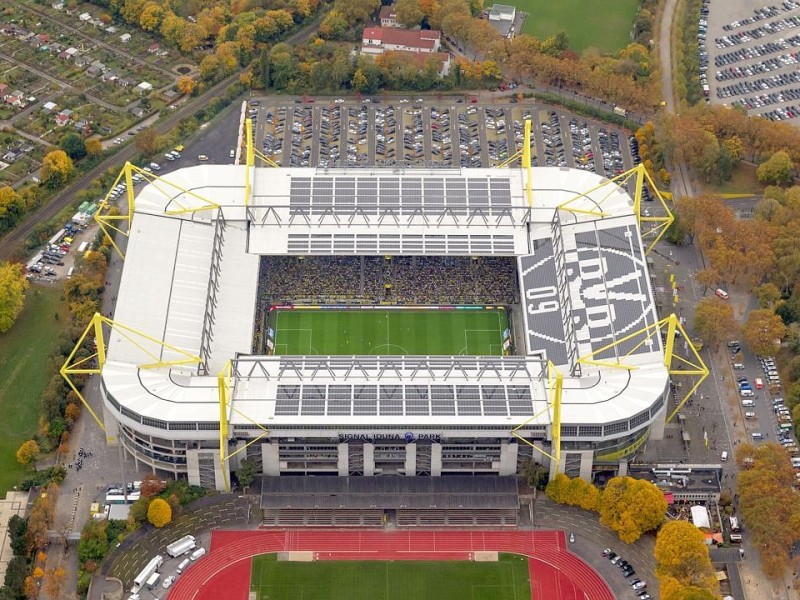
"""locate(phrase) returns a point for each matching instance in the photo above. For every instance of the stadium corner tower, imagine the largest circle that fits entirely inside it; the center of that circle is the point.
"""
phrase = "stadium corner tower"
(193, 267)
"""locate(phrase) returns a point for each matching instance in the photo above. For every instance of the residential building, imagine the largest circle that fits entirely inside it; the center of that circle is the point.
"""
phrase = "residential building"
(377, 40)
(388, 16)
(125, 38)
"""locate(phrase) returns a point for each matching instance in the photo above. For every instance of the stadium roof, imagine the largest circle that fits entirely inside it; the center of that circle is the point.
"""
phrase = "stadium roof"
(389, 491)
(191, 280)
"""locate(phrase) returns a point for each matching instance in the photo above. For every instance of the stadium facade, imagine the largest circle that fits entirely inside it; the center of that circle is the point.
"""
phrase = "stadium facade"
(190, 278)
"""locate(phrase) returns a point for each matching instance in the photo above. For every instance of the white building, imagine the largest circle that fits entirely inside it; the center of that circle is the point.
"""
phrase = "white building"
(583, 282)
(377, 40)
(502, 17)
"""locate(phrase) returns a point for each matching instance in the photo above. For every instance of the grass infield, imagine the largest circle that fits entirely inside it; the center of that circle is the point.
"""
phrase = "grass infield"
(507, 579)
(389, 332)
(601, 24)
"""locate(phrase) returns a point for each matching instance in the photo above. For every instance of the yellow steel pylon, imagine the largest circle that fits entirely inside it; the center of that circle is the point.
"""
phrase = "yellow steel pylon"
(226, 404)
(93, 363)
(555, 381)
(109, 223)
(641, 175)
(692, 366)
(523, 153)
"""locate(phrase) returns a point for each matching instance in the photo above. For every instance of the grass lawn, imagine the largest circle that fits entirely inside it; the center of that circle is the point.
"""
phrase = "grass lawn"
(603, 24)
(389, 332)
(24, 350)
(742, 181)
(506, 579)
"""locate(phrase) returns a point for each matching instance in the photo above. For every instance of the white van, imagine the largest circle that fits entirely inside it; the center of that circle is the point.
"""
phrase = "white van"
(724, 456)
(748, 403)
(721, 293)
(182, 567)
(197, 554)
(757, 435)
(749, 415)
(746, 393)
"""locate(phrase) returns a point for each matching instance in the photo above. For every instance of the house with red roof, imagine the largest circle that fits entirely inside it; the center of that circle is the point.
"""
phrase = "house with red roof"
(377, 40)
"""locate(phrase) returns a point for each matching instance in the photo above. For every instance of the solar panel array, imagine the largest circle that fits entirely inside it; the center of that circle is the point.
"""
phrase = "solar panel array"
(373, 195)
(407, 244)
(387, 400)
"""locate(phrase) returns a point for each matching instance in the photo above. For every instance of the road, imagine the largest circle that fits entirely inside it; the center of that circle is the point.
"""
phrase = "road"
(8, 244)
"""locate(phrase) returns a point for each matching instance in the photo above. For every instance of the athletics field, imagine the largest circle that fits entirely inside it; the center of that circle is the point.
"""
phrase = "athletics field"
(389, 332)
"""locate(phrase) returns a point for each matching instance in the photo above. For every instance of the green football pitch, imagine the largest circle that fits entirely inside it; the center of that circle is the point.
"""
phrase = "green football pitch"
(588, 23)
(506, 579)
(390, 332)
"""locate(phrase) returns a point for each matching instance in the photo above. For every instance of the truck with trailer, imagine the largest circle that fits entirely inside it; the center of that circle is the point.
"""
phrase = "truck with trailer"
(145, 574)
(182, 546)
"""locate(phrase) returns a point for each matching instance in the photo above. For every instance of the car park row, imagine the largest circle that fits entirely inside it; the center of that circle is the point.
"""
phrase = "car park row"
(402, 132)
(765, 86)
(639, 586)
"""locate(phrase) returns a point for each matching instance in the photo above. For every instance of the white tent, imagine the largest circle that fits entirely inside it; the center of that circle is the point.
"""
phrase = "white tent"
(700, 517)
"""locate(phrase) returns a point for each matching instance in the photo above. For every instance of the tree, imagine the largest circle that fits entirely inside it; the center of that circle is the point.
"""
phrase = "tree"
(768, 504)
(12, 294)
(776, 170)
(147, 140)
(763, 331)
(28, 452)
(73, 145)
(56, 169)
(54, 581)
(151, 486)
(768, 295)
(681, 553)
(93, 146)
(409, 13)
(186, 85)
(246, 473)
(713, 320)
(159, 513)
(631, 507)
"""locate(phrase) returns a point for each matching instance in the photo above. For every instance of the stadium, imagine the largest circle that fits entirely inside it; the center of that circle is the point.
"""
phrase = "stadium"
(436, 328)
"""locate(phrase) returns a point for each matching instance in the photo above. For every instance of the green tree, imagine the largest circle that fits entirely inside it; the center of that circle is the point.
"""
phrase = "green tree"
(409, 13)
(159, 513)
(246, 473)
(763, 331)
(776, 170)
(94, 541)
(713, 320)
(73, 145)
(681, 552)
(631, 507)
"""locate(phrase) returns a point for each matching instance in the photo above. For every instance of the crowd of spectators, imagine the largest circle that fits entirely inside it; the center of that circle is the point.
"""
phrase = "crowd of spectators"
(424, 280)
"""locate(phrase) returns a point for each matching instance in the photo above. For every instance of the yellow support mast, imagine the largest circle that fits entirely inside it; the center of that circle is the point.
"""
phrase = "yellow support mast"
(692, 365)
(226, 407)
(555, 390)
(111, 224)
(93, 363)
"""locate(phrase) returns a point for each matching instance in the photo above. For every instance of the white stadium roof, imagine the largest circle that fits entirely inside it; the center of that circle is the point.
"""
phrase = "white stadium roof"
(191, 279)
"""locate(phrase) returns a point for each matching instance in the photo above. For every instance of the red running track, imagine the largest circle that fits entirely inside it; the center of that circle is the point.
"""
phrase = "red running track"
(224, 573)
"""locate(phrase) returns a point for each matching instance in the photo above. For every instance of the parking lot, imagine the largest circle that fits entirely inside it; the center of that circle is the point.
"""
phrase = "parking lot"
(749, 56)
(427, 132)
